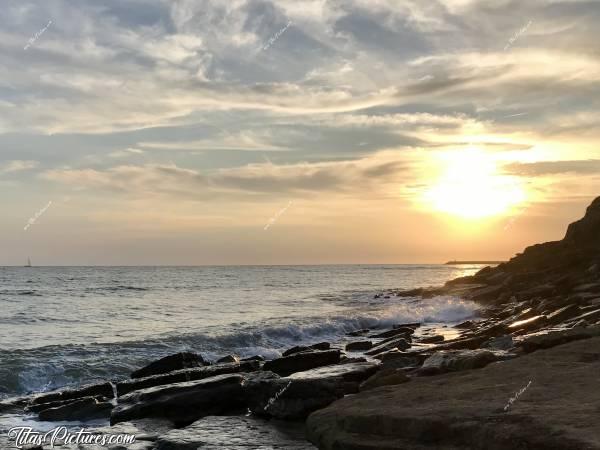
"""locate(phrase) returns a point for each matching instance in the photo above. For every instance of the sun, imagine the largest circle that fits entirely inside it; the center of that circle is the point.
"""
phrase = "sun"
(470, 186)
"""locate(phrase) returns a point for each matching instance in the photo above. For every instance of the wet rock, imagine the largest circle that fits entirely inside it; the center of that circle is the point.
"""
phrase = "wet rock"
(500, 343)
(228, 359)
(359, 332)
(182, 403)
(235, 433)
(180, 376)
(400, 360)
(385, 377)
(488, 293)
(525, 325)
(178, 361)
(411, 326)
(41, 406)
(457, 360)
(297, 349)
(346, 360)
(400, 344)
(321, 346)
(466, 410)
(431, 339)
(351, 373)
(90, 390)
(82, 409)
(358, 346)
(253, 358)
(471, 343)
(299, 362)
(404, 332)
(466, 325)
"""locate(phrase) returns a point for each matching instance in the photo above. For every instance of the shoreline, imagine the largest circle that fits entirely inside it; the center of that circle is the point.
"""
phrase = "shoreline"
(535, 348)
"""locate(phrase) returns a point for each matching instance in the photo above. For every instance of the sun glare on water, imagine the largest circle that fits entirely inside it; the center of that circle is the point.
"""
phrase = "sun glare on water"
(470, 186)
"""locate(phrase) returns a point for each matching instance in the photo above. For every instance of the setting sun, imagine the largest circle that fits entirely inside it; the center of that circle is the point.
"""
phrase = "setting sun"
(470, 186)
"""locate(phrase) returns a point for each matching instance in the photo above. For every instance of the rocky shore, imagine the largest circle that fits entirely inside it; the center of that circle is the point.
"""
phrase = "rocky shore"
(524, 375)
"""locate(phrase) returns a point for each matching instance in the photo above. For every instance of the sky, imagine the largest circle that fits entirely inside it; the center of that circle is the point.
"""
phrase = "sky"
(184, 132)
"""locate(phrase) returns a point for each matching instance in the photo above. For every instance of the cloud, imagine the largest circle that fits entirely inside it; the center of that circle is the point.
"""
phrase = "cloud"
(18, 166)
(545, 168)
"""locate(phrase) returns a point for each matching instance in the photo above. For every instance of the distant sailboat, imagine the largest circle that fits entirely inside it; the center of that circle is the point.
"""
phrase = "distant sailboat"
(28, 263)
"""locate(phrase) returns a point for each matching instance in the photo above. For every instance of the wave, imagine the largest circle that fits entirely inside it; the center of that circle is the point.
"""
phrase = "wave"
(51, 367)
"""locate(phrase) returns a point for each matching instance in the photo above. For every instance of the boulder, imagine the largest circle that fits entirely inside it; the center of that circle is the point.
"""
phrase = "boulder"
(299, 362)
(235, 433)
(385, 377)
(180, 376)
(500, 343)
(533, 342)
(182, 403)
(559, 410)
(321, 346)
(348, 376)
(359, 346)
(253, 358)
(82, 409)
(178, 361)
(400, 360)
(404, 332)
(296, 349)
(89, 390)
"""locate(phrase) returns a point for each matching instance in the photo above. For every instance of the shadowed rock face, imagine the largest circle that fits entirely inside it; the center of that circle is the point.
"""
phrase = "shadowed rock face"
(183, 360)
(559, 409)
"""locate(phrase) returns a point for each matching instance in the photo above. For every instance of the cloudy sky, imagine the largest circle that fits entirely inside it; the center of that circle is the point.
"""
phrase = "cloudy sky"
(294, 131)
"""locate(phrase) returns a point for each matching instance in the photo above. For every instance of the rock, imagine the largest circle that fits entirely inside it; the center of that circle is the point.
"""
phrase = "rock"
(90, 390)
(550, 339)
(500, 343)
(348, 375)
(145, 431)
(346, 360)
(431, 339)
(467, 325)
(467, 409)
(182, 403)
(385, 377)
(299, 362)
(297, 349)
(180, 376)
(321, 346)
(404, 332)
(82, 409)
(253, 358)
(36, 408)
(235, 433)
(413, 326)
(456, 360)
(359, 332)
(528, 324)
(400, 344)
(359, 346)
(487, 293)
(290, 399)
(178, 361)
(400, 360)
(471, 343)
(228, 359)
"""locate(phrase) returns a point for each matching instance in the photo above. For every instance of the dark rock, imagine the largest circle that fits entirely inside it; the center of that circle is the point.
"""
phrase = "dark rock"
(487, 293)
(385, 377)
(467, 325)
(184, 375)
(500, 343)
(528, 324)
(82, 409)
(321, 346)
(90, 390)
(228, 359)
(393, 333)
(471, 343)
(413, 326)
(297, 349)
(400, 360)
(235, 433)
(400, 344)
(454, 361)
(182, 403)
(178, 361)
(290, 399)
(299, 362)
(41, 406)
(253, 358)
(346, 360)
(431, 339)
(358, 346)
(545, 340)
(351, 373)
(359, 332)
(466, 410)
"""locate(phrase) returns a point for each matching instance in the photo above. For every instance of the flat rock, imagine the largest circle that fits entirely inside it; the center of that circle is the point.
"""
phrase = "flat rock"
(228, 359)
(182, 403)
(456, 360)
(235, 433)
(559, 410)
(359, 346)
(385, 377)
(350, 372)
(81, 409)
(299, 362)
(182, 360)
(435, 339)
(400, 344)
(180, 376)
(89, 390)
(550, 339)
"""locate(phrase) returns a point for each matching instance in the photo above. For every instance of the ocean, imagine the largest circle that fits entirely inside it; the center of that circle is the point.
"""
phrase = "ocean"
(63, 326)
